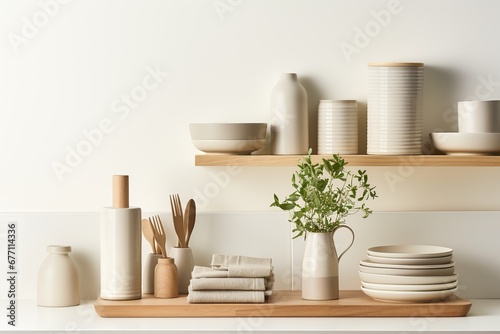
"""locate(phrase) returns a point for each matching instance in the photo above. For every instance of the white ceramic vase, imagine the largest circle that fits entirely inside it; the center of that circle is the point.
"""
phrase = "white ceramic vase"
(289, 130)
(184, 260)
(320, 266)
(58, 283)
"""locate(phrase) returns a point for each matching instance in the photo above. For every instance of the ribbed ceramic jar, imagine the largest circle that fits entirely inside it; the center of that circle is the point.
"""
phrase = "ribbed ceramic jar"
(58, 283)
(289, 117)
(338, 127)
(394, 115)
(184, 262)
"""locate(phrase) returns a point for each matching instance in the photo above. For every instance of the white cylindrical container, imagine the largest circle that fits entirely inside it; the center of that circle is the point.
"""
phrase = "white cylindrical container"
(289, 118)
(121, 251)
(338, 127)
(394, 115)
(148, 275)
(184, 260)
(58, 283)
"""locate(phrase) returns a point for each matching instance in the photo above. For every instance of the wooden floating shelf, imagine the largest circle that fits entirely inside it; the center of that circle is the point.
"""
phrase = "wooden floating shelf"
(282, 304)
(353, 160)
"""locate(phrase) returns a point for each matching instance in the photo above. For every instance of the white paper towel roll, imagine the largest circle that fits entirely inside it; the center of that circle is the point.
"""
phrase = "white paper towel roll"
(121, 253)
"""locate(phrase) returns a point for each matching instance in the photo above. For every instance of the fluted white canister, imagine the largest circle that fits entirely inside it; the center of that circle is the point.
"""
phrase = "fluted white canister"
(289, 116)
(338, 127)
(394, 115)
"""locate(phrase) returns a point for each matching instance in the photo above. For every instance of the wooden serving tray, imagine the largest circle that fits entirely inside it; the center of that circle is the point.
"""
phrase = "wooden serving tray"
(281, 304)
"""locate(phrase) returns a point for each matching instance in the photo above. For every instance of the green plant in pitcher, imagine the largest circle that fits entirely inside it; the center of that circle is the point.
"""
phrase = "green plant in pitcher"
(325, 195)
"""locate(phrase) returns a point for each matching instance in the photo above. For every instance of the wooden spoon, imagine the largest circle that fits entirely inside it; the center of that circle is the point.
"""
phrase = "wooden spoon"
(190, 216)
(148, 234)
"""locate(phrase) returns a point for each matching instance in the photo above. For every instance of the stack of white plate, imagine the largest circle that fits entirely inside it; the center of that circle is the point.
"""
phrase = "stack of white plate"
(394, 115)
(408, 273)
(338, 127)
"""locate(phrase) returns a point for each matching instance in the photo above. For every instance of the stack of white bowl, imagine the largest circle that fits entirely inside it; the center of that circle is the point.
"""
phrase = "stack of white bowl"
(408, 273)
(394, 115)
(338, 127)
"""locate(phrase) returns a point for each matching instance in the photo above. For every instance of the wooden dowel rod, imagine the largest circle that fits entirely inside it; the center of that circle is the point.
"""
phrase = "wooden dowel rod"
(120, 191)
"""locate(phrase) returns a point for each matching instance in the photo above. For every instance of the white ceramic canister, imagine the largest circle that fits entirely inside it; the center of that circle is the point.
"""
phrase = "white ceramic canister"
(338, 127)
(394, 114)
(121, 252)
(289, 129)
(58, 283)
(184, 260)
(148, 275)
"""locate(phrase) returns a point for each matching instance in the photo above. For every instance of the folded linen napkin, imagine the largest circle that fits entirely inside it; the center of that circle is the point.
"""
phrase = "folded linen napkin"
(222, 296)
(242, 266)
(205, 272)
(237, 283)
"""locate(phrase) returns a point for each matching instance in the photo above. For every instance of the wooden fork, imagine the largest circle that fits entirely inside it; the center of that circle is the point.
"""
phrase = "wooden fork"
(159, 233)
(175, 205)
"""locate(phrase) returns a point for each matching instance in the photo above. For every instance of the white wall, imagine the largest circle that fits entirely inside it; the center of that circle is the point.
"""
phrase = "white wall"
(65, 74)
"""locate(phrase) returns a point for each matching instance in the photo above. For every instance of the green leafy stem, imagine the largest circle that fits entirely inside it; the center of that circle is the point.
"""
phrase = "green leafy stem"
(325, 195)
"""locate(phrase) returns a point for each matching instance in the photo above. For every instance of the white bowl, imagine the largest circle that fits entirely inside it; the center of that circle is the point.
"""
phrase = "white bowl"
(228, 131)
(229, 146)
(409, 251)
(408, 272)
(409, 296)
(416, 261)
(479, 116)
(455, 143)
(410, 287)
(369, 263)
(394, 279)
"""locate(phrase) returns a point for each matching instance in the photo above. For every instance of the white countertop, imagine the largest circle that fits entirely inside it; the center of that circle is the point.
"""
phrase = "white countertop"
(483, 316)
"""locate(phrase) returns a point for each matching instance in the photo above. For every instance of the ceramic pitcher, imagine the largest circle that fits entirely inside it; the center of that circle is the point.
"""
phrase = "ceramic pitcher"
(320, 266)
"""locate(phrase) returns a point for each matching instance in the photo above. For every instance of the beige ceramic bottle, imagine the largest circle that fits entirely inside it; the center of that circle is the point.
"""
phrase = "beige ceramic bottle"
(58, 283)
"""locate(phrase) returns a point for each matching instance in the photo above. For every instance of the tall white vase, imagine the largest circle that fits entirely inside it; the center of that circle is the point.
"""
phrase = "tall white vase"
(320, 266)
(289, 118)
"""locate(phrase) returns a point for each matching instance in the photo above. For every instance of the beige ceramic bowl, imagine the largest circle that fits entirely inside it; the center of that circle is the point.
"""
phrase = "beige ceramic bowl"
(228, 131)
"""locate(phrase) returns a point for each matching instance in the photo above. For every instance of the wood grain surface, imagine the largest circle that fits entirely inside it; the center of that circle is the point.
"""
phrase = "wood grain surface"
(282, 304)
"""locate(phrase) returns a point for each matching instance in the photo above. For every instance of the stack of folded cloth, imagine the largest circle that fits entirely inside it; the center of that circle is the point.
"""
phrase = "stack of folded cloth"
(232, 279)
